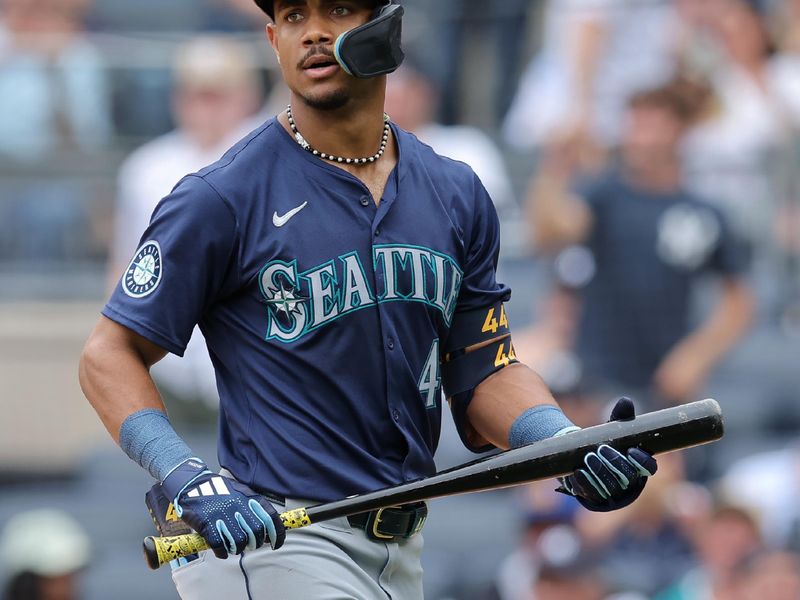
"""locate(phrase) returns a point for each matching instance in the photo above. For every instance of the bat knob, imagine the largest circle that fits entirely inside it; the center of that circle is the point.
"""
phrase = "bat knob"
(150, 552)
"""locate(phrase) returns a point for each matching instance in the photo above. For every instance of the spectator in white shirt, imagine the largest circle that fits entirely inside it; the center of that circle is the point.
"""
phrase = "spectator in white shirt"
(412, 100)
(216, 100)
(595, 54)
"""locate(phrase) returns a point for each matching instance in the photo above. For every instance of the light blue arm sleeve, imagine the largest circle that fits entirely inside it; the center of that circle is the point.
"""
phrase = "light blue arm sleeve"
(148, 438)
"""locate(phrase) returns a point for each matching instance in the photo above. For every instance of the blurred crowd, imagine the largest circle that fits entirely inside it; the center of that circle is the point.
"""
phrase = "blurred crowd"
(43, 553)
(644, 158)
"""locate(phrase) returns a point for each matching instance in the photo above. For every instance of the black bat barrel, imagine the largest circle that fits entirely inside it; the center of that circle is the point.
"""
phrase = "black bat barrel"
(656, 432)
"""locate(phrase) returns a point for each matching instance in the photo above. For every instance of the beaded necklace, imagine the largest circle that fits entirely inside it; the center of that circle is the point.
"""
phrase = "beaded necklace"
(339, 159)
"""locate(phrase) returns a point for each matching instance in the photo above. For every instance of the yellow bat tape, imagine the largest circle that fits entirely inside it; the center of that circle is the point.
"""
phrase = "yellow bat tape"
(161, 550)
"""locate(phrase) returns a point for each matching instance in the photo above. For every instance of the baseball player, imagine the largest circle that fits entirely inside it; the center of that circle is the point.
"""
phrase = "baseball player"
(342, 274)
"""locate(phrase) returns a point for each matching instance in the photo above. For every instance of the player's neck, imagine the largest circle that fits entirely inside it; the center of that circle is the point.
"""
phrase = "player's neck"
(662, 177)
(655, 183)
(354, 131)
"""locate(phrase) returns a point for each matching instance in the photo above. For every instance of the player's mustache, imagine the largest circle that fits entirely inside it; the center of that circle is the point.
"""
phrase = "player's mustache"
(316, 51)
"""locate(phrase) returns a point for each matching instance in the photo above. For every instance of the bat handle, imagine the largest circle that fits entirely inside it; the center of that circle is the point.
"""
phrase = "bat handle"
(161, 550)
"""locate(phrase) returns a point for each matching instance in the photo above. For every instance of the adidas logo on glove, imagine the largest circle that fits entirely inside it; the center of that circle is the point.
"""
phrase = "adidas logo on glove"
(215, 487)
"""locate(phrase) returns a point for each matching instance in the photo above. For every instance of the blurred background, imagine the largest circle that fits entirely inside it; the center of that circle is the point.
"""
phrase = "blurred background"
(643, 156)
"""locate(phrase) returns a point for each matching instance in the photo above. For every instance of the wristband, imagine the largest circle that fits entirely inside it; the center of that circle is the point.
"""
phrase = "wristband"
(539, 423)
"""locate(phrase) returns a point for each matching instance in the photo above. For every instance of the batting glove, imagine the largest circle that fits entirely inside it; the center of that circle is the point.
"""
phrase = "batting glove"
(610, 479)
(229, 515)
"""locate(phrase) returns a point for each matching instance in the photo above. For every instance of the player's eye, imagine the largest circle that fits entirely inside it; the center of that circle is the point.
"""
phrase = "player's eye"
(294, 17)
(340, 11)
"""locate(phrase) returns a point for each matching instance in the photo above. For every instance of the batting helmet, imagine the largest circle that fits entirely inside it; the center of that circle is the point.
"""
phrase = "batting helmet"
(371, 49)
(267, 6)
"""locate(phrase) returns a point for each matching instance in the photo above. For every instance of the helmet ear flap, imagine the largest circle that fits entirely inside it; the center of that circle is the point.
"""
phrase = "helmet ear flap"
(374, 48)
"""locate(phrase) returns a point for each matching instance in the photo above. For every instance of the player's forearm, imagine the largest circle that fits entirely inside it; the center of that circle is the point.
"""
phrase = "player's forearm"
(501, 399)
(555, 216)
(727, 323)
(590, 38)
(115, 378)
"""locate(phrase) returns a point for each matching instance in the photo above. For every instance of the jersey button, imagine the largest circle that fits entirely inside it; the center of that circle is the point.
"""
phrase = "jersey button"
(377, 233)
(390, 343)
(396, 416)
(364, 201)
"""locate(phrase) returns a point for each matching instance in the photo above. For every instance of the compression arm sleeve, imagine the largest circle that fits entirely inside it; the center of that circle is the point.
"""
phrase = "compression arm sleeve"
(148, 438)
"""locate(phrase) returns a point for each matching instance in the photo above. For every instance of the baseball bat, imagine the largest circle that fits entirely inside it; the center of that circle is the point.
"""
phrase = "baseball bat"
(656, 432)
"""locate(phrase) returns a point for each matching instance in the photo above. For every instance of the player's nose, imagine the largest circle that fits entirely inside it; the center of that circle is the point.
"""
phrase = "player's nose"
(318, 30)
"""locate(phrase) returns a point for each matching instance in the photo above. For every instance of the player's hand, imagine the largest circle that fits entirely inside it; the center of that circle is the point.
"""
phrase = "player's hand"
(682, 373)
(228, 514)
(610, 479)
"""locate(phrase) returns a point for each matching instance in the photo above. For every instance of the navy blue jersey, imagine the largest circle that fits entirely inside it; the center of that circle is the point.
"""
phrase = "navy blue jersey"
(323, 313)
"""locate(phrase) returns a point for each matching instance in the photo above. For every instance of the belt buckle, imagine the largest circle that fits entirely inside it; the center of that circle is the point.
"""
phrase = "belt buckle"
(374, 521)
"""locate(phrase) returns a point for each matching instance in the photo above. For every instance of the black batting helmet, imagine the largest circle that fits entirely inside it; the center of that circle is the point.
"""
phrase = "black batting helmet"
(267, 6)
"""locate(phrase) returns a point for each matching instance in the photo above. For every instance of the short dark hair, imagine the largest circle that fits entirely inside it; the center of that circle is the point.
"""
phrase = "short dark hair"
(732, 512)
(667, 98)
(687, 96)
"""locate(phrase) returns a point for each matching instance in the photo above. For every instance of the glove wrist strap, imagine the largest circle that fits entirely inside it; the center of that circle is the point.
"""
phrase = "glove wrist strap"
(181, 476)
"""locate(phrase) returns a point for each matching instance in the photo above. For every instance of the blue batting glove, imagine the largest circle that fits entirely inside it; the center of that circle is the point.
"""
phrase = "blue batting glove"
(609, 479)
(229, 515)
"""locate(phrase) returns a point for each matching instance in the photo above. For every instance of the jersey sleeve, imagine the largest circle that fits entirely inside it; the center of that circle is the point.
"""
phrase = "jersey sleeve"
(731, 256)
(186, 261)
(480, 287)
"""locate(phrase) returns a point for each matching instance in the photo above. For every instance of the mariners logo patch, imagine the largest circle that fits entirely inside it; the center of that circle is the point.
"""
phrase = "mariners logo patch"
(144, 273)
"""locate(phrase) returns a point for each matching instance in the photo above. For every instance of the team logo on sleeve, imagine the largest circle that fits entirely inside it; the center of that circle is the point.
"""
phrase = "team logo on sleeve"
(144, 273)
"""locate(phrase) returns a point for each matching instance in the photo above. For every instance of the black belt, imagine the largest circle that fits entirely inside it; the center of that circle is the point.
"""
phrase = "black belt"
(391, 524)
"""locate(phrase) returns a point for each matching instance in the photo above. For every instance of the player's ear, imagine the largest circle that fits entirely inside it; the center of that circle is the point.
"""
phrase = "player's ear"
(272, 37)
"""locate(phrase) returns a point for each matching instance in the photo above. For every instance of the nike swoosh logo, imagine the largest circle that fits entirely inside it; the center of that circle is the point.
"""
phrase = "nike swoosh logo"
(281, 220)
